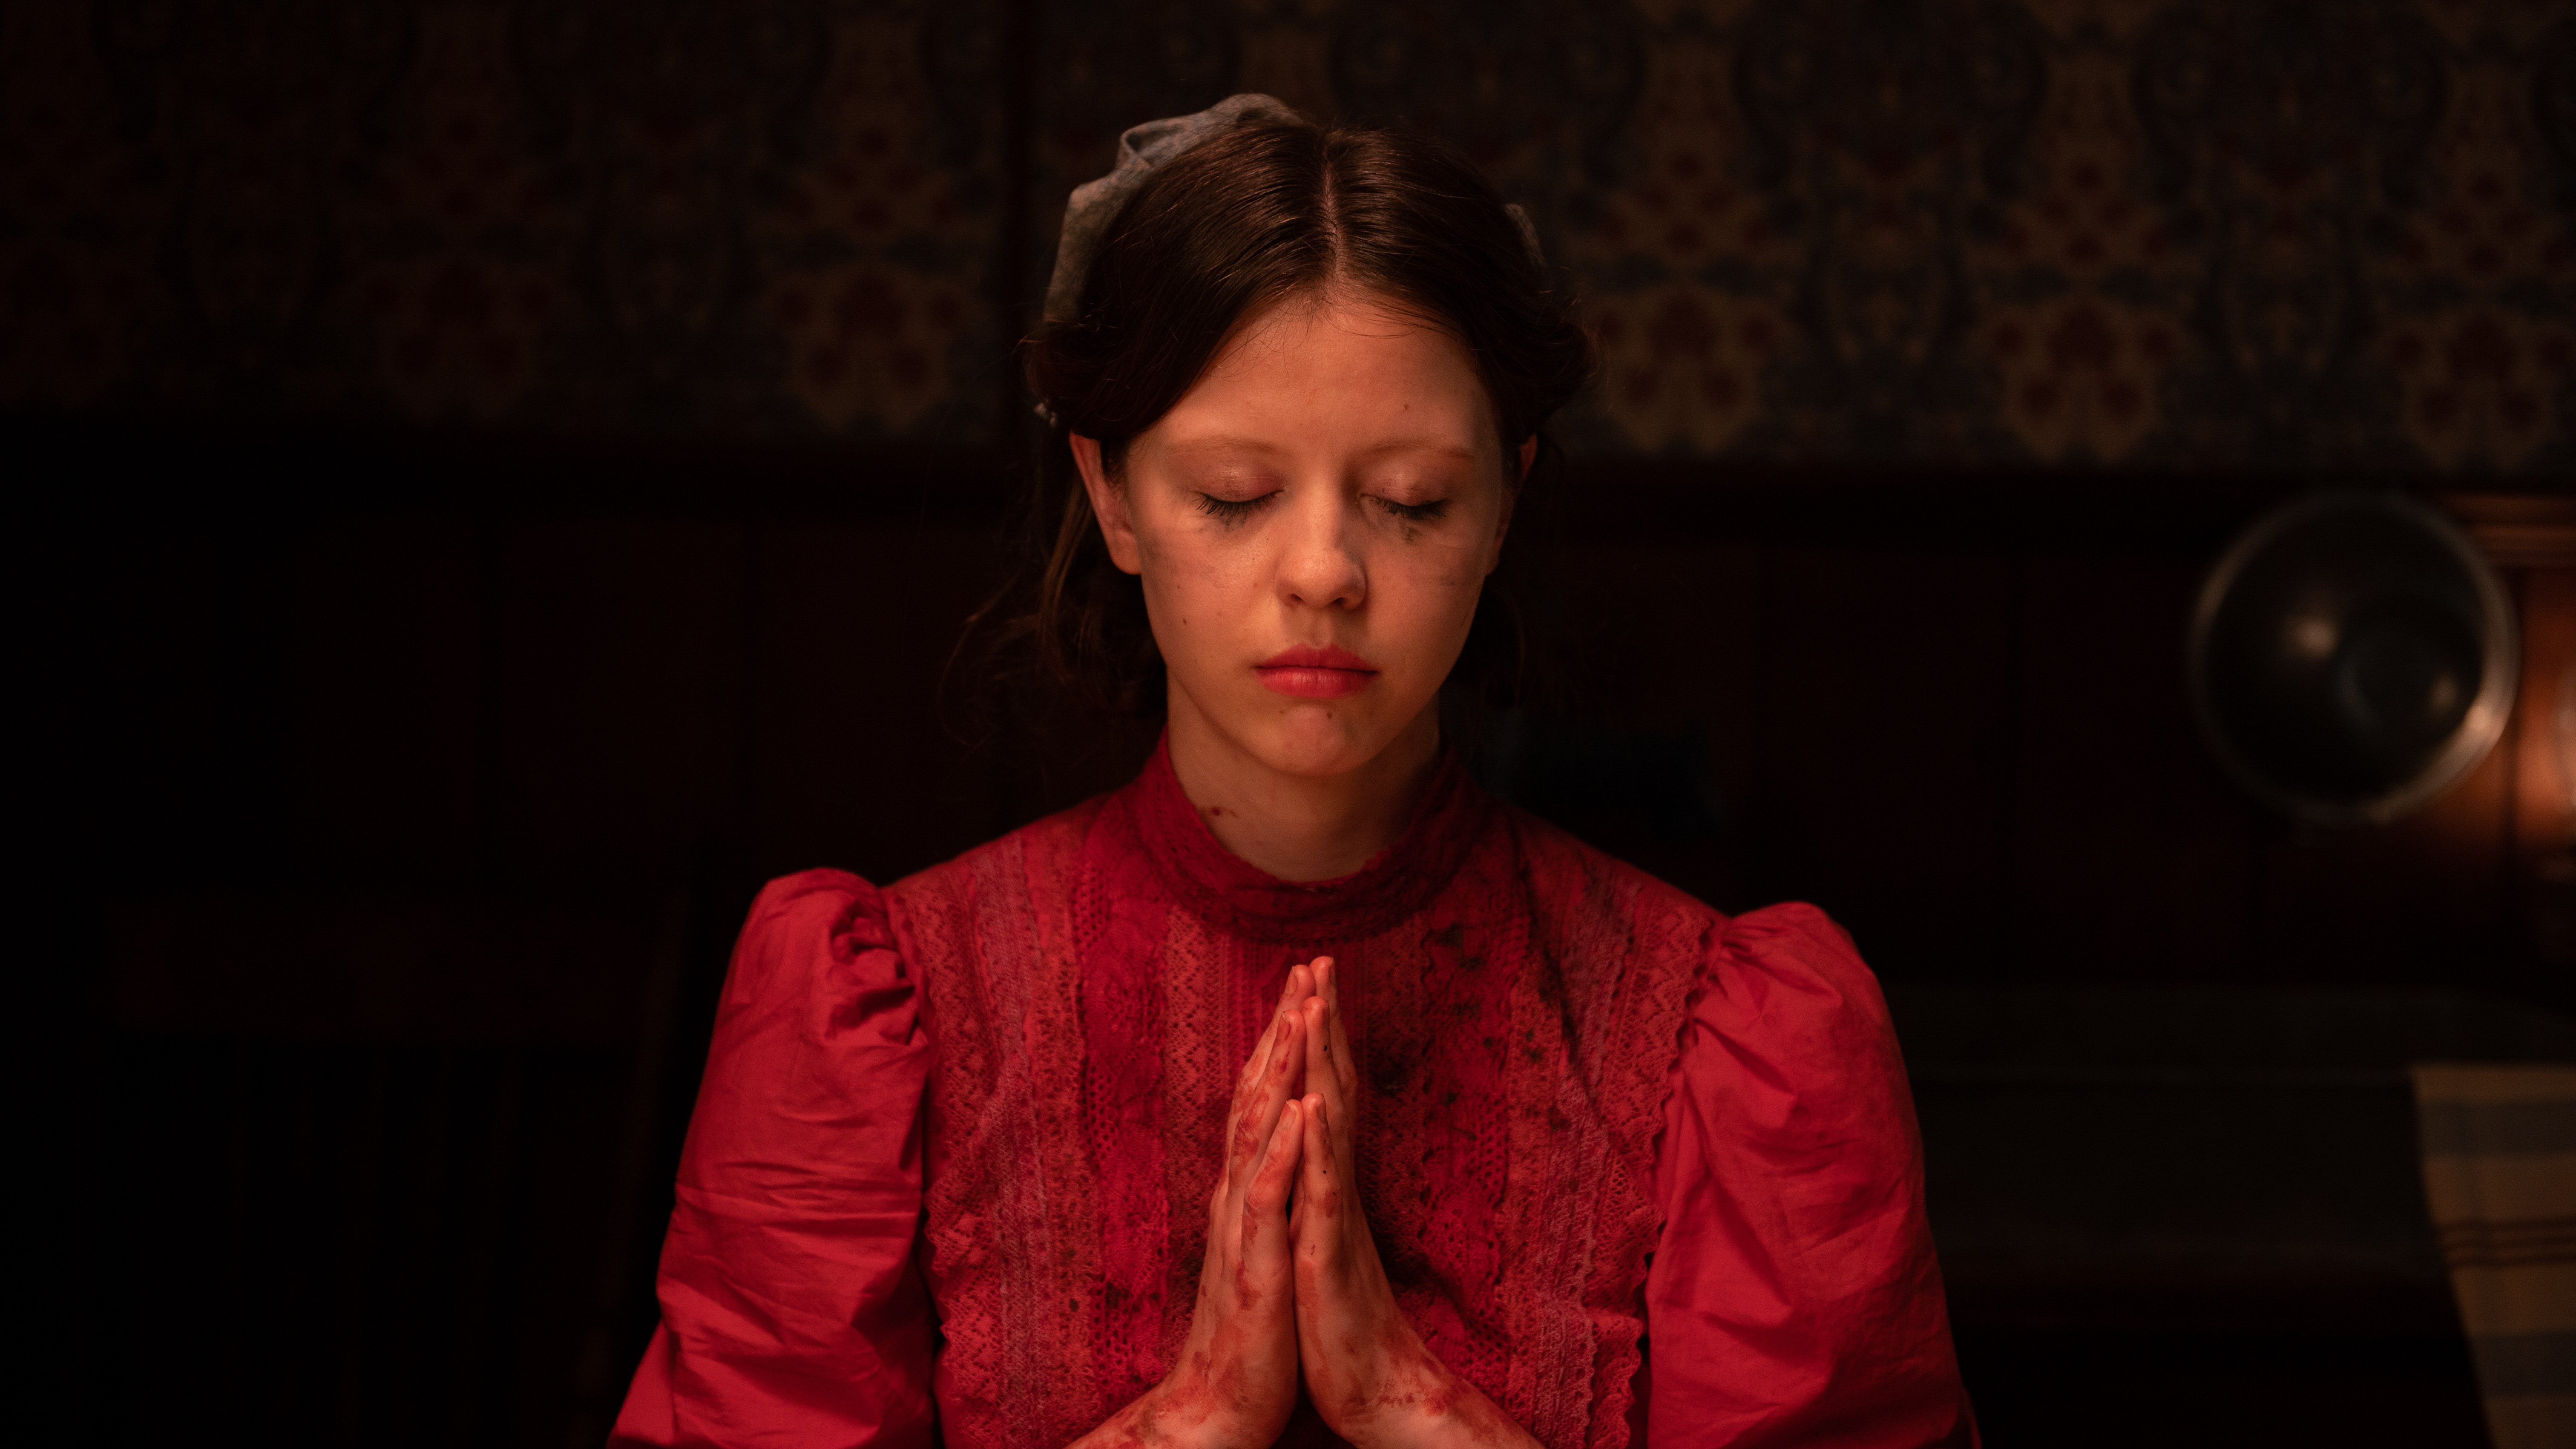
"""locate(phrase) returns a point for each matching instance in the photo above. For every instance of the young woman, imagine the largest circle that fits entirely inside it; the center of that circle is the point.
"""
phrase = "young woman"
(1298, 1089)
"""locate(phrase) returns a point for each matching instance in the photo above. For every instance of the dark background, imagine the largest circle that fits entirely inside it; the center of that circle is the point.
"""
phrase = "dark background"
(494, 482)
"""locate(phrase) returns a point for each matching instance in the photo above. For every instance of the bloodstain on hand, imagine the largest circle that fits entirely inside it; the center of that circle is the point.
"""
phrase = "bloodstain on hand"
(1368, 1372)
(1235, 1381)
(1285, 1299)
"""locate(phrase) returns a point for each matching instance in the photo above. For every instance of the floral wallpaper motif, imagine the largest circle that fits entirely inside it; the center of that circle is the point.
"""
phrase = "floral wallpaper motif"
(586, 215)
(2140, 234)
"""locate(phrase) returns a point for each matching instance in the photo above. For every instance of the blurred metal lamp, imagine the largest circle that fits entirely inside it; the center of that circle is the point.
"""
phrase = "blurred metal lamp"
(2351, 655)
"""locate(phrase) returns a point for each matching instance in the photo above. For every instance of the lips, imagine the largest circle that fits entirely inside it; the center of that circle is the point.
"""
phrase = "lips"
(1307, 672)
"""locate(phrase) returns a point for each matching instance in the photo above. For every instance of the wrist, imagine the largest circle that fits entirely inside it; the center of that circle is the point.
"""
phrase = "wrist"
(1430, 1407)
(1185, 1412)
(1412, 1407)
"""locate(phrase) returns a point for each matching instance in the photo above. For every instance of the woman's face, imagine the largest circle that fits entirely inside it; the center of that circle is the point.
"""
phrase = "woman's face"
(1313, 523)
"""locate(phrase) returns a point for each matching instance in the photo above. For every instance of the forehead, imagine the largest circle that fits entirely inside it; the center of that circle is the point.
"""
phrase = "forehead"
(1317, 371)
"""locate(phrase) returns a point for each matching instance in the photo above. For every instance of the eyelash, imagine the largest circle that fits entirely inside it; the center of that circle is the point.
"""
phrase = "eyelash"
(1235, 510)
(1415, 512)
(1230, 510)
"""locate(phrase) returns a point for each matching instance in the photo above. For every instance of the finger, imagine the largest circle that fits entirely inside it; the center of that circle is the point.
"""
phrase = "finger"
(1319, 1185)
(1247, 1085)
(1256, 1070)
(1323, 1074)
(1346, 1067)
(1293, 996)
(1267, 1192)
(1270, 1094)
(1247, 1096)
(1260, 1089)
(1263, 1248)
(1259, 1061)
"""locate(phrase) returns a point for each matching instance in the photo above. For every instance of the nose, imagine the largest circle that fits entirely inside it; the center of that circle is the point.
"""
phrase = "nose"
(1320, 566)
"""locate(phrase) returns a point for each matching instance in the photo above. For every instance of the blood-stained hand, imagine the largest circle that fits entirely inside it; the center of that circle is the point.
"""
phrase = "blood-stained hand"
(1236, 1380)
(1366, 1369)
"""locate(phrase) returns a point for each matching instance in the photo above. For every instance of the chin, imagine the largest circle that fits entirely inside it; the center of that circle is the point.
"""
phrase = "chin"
(1308, 742)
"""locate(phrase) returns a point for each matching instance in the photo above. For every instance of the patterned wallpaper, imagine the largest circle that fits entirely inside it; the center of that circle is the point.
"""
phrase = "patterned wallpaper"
(2149, 234)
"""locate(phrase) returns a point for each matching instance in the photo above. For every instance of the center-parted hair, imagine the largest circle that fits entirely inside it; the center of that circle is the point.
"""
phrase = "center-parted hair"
(1255, 216)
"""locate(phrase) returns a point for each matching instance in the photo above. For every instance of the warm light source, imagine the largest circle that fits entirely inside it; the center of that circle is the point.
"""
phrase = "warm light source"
(2565, 731)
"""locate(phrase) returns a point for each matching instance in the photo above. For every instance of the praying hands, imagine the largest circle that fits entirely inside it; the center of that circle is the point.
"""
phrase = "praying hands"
(1286, 1295)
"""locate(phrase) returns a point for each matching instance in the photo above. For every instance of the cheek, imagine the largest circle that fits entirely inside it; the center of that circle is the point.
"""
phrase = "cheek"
(1427, 597)
(1192, 584)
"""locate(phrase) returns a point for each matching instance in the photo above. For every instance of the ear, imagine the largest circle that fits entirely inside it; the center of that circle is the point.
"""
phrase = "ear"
(1108, 504)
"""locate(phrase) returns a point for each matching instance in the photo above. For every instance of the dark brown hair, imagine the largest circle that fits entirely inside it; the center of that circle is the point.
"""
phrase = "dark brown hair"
(1267, 211)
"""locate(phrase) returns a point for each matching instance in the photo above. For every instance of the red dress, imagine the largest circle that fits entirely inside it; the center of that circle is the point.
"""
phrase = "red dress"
(947, 1176)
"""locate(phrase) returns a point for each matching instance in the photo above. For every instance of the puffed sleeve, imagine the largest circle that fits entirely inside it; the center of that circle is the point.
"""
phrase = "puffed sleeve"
(1794, 1297)
(792, 1311)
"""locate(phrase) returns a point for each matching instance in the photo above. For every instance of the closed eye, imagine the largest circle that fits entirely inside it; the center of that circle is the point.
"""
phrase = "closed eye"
(1415, 512)
(1231, 510)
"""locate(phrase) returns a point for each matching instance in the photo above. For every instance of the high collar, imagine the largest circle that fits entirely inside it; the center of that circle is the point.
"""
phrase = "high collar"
(1234, 895)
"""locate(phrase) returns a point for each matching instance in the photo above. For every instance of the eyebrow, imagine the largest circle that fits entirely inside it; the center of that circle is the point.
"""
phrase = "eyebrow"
(1221, 442)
